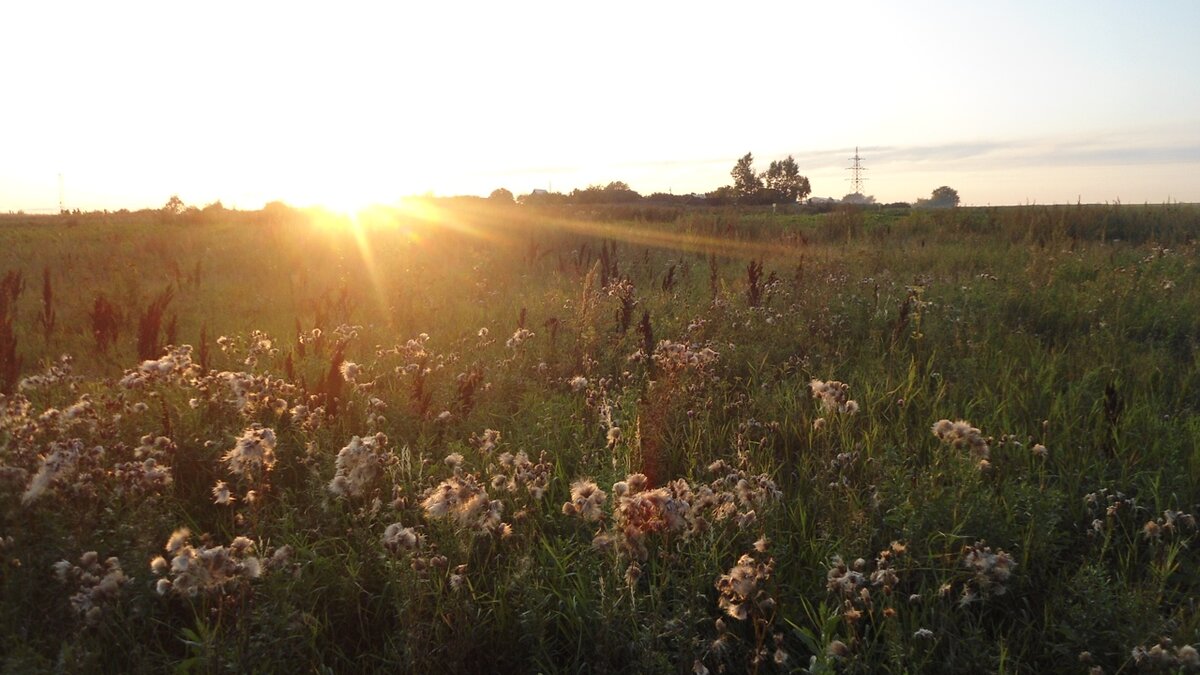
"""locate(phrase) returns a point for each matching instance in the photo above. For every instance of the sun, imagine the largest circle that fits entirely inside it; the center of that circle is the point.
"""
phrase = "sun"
(350, 202)
(352, 183)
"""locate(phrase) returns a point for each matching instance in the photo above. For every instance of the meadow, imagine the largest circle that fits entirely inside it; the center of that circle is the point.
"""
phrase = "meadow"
(468, 438)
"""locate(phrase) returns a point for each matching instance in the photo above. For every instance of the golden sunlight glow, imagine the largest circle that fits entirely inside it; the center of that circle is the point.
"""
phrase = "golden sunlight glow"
(407, 98)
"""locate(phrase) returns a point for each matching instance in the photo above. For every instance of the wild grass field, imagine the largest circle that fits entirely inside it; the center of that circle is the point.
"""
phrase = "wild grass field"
(509, 441)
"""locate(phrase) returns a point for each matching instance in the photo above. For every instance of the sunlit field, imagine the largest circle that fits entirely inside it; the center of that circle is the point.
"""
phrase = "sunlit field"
(464, 438)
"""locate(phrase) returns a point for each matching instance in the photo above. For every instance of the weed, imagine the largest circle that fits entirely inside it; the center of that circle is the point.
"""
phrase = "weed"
(105, 323)
(754, 283)
(149, 324)
(11, 287)
(46, 317)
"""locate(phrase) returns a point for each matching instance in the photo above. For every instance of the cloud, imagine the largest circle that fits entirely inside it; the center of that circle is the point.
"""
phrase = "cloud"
(974, 155)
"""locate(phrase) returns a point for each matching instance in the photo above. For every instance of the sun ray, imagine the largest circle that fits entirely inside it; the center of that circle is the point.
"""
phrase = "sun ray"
(358, 230)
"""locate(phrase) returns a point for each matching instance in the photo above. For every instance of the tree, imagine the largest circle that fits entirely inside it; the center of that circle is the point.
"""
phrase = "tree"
(501, 195)
(858, 198)
(174, 206)
(616, 192)
(722, 196)
(619, 192)
(543, 198)
(213, 212)
(944, 197)
(745, 182)
(279, 213)
(784, 177)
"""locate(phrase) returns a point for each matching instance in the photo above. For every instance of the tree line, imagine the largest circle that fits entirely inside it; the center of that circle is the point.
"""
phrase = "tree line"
(781, 183)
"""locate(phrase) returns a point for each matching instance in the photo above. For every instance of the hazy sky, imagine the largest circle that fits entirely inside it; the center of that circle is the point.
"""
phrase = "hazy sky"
(345, 103)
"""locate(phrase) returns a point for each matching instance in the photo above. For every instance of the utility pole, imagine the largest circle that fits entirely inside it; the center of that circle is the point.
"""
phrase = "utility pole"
(62, 201)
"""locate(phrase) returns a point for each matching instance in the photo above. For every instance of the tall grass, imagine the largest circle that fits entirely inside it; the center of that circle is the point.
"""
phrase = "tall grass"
(405, 369)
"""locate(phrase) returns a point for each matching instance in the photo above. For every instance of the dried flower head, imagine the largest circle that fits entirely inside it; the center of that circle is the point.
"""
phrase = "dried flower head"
(349, 371)
(834, 396)
(253, 453)
(97, 585)
(838, 650)
(222, 495)
(742, 590)
(359, 466)
(397, 538)
(205, 569)
(961, 434)
(613, 437)
(991, 570)
(463, 499)
(586, 502)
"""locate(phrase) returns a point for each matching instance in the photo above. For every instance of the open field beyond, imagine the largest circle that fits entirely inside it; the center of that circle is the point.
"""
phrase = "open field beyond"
(482, 439)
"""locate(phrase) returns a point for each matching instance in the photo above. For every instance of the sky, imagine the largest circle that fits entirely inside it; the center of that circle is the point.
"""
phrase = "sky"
(350, 103)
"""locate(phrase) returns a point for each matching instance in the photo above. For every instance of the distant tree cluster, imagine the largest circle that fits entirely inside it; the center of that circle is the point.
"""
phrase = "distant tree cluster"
(501, 196)
(615, 192)
(175, 210)
(544, 198)
(781, 183)
(944, 197)
(859, 199)
(668, 199)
